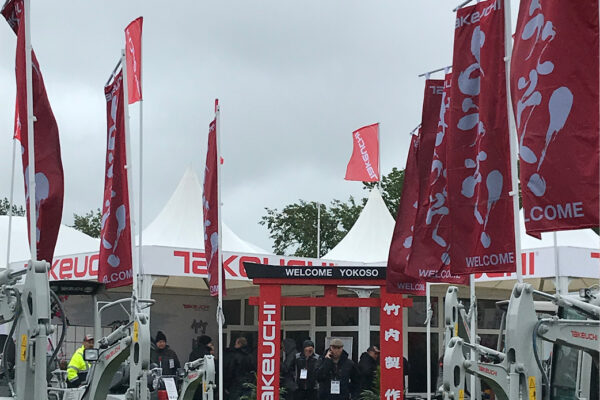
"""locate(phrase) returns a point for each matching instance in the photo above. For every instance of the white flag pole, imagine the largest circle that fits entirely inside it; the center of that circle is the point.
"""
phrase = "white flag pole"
(429, 315)
(142, 290)
(318, 229)
(10, 202)
(129, 167)
(514, 147)
(220, 316)
(30, 137)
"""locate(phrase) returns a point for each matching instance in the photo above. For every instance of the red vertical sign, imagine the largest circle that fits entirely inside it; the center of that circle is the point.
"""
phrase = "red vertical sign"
(210, 204)
(478, 155)
(133, 57)
(364, 162)
(391, 346)
(115, 267)
(49, 178)
(269, 339)
(554, 84)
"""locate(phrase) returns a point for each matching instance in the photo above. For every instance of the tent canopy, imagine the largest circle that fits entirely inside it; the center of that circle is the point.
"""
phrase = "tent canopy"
(369, 239)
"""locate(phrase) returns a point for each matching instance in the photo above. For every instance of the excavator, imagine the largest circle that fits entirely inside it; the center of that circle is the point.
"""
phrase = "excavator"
(30, 373)
(516, 370)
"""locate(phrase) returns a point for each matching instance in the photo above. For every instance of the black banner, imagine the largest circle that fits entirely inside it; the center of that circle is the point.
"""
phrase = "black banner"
(362, 273)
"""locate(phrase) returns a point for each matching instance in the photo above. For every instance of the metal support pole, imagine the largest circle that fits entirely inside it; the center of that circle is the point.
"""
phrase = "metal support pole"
(30, 136)
(318, 230)
(428, 321)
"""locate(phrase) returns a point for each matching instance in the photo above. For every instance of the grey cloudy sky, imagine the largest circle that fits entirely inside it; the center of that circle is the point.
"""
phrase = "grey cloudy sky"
(294, 79)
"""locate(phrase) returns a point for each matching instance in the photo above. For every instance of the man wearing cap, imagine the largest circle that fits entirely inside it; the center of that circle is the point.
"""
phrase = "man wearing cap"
(164, 356)
(338, 376)
(367, 365)
(306, 372)
(78, 367)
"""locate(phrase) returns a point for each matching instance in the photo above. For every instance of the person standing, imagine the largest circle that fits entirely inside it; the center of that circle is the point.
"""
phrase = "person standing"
(163, 356)
(204, 347)
(367, 366)
(306, 372)
(78, 367)
(238, 368)
(338, 375)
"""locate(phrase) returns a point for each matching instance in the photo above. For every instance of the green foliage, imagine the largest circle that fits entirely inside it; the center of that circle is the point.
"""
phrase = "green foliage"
(294, 228)
(374, 393)
(89, 223)
(250, 391)
(16, 210)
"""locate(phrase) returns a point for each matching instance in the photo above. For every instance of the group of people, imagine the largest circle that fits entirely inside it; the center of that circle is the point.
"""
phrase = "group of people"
(304, 375)
(331, 377)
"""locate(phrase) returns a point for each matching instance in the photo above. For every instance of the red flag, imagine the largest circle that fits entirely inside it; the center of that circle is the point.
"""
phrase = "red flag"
(133, 57)
(554, 83)
(478, 155)
(210, 204)
(49, 179)
(364, 163)
(402, 239)
(115, 260)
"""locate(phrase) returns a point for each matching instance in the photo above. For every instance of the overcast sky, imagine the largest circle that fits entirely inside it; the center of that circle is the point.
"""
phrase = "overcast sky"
(294, 79)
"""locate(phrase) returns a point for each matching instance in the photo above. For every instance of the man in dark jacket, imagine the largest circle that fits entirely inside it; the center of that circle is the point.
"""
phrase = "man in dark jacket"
(287, 377)
(306, 372)
(203, 348)
(238, 368)
(367, 366)
(338, 376)
(163, 356)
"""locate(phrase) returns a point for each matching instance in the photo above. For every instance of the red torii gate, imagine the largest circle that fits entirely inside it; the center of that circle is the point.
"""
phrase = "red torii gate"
(270, 278)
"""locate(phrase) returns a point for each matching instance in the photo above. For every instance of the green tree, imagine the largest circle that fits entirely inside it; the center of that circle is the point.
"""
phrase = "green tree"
(5, 206)
(89, 223)
(294, 228)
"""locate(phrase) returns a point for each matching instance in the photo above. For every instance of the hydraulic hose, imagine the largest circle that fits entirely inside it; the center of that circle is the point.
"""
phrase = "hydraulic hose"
(545, 383)
(64, 329)
(12, 330)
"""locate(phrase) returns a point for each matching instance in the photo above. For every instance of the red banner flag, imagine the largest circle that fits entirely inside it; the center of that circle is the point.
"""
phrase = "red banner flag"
(429, 258)
(478, 155)
(364, 163)
(133, 57)
(210, 204)
(554, 84)
(115, 260)
(49, 178)
(402, 239)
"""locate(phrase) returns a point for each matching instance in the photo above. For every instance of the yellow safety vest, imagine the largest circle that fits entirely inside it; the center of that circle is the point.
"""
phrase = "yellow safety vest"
(77, 364)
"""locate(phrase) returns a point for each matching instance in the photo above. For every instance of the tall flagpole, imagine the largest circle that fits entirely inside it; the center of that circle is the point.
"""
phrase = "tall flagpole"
(220, 316)
(135, 266)
(318, 229)
(514, 147)
(10, 203)
(141, 166)
(30, 137)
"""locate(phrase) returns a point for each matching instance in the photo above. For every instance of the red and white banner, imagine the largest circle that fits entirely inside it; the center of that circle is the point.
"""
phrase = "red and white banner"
(269, 339)
(478, 153)
(49, 178)
(396, 279)
(554, 84)
(133, 57)
(210, 205)
(391, 358)
(364, 162)
(115, 263)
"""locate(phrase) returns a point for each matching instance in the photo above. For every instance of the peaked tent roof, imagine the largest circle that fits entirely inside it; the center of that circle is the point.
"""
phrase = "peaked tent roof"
(70, 241)
(370, 237)
(179, 224)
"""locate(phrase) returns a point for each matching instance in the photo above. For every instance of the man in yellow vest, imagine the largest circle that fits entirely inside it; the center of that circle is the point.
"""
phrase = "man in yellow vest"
(78, 367)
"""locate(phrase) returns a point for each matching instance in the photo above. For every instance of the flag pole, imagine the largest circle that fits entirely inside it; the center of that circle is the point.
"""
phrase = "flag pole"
(318, 229)
(514, 147)
(142, 278)
(30, 136)
(220, 316)
(129, 165)
(10, 203)
(379, 153)
(428, 334)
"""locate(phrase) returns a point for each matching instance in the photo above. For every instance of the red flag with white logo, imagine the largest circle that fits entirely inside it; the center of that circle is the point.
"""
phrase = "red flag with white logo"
(210, 204)
(429, 258)
(554, 84)
(49, 178)
(364, 162)
(133, 57)
(115, 260)
(478, 152)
